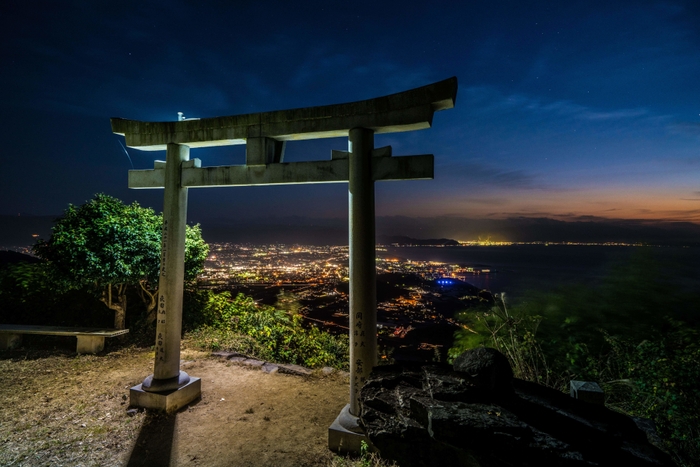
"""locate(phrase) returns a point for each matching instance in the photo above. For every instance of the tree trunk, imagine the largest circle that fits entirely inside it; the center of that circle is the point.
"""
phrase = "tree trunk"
(120, 314)
(118, 304)
(150, 300)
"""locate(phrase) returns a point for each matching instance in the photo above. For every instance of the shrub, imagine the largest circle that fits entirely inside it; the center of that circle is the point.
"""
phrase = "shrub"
(514, 335)
(659, 379)
(655, 377)
(220, 322)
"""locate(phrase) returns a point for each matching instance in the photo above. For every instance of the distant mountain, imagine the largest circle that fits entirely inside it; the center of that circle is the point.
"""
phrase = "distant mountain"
(24, 230)
(402, 240)
(526, 229)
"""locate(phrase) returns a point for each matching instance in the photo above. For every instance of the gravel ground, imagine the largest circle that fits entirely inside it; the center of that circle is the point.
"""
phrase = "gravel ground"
(63, 409)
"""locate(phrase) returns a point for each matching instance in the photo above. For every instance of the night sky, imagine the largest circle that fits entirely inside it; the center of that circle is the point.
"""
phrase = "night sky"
(571, 111)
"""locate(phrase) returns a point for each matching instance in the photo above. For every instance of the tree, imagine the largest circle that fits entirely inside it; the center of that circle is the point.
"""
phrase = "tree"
(109, 246)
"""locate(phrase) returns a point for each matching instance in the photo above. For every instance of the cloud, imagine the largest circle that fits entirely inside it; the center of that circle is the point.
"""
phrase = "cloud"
(489, 99)
(475, 172)
(697, 197)
(623, 114)
(488, 201)
(684, 128)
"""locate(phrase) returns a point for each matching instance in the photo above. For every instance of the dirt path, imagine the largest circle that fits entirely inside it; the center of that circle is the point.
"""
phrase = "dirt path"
(71, 410)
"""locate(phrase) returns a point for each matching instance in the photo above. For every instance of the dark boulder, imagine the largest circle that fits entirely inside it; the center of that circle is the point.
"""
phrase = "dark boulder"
(431, 415)
(487, 367)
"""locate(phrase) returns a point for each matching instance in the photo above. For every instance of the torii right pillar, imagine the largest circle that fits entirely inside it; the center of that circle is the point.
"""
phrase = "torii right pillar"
(345, 434)
(363, 271)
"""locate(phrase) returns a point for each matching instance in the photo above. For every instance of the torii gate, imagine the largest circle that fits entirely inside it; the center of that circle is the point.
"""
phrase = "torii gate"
(265, 135)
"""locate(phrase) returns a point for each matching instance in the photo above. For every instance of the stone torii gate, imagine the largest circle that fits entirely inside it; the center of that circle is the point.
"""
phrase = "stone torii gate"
(265, 135)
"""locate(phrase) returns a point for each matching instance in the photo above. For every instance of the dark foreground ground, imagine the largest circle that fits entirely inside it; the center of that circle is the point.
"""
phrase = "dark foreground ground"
(61, 409)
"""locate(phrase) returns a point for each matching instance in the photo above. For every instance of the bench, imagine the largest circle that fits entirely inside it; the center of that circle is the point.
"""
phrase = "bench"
(90, 340)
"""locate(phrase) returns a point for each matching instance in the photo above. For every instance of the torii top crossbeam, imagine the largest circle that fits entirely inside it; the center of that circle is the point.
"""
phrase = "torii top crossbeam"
(404, 111)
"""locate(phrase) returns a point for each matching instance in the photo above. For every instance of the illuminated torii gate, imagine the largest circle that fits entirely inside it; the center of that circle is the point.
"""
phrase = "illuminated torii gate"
(265, 135)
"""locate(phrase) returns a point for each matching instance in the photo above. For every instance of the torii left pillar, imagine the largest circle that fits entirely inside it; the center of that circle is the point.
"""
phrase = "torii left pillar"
(345, 433)
(169, 388)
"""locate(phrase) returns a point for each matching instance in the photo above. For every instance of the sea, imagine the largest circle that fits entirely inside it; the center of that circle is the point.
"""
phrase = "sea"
(520, 268)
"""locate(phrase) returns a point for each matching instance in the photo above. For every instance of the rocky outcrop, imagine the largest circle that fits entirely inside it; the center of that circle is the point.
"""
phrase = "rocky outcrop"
(477, 414)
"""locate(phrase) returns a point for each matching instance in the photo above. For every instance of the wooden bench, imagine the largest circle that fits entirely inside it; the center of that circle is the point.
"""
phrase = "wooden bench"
(90, 340)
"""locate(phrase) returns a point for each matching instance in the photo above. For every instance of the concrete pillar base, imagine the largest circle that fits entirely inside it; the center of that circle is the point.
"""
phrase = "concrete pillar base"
(167, 401)
(90, 344)
(9, 341)
(345, 435)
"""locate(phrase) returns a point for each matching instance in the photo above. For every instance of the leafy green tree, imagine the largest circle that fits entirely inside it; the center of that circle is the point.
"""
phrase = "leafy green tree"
(108, 246)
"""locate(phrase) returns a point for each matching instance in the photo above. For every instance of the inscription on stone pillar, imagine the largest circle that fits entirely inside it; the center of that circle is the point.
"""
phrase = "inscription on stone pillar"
(164, 247)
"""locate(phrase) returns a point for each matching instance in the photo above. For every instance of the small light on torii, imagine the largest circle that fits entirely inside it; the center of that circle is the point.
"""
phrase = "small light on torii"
(181, 117)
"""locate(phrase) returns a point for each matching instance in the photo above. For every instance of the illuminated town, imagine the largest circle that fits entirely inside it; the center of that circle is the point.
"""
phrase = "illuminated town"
(417, 300)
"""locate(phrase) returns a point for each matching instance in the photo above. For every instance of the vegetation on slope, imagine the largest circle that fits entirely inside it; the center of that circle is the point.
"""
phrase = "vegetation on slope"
(220, 322)
(628, 334)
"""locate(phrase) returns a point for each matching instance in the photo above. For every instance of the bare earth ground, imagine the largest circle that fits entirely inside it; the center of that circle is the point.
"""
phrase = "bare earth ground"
(62, 409)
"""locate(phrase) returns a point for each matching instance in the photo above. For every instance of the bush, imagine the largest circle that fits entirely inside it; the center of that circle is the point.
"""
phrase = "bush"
(514, 335)
(220, 322)
(659, 379)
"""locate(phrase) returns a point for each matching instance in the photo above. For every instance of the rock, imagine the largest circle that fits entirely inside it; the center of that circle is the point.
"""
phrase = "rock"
(270, 368)
(649, 427)
(229, 355)
(327, 370)
(488, 367)
(290, 369)
(252, 362)
(479, 415)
